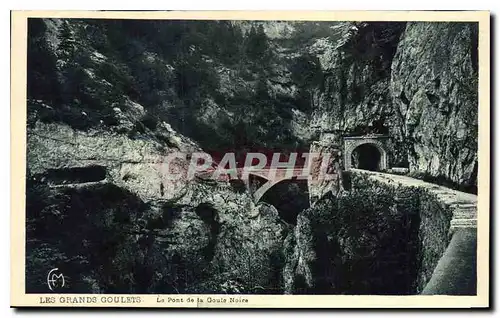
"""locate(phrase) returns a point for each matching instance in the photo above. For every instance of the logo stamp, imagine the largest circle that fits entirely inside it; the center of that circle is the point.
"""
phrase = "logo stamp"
(55, 279)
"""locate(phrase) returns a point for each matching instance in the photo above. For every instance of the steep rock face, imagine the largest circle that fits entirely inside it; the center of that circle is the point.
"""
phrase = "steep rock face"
(248, 253)
(298, 275)
(415, 82)
(352, 245)
(326, 172)
(354, 94)
(105, 239)
(133, 164)
(127, 228)
(386, 234)
(434, 91)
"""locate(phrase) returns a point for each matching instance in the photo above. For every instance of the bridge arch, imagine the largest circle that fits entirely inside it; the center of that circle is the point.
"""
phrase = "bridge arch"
(266, 187)
(263, 174)
(379, 143)
(289, 197)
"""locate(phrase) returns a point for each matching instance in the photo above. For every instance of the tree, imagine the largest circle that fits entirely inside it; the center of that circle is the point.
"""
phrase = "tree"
(41, 72)
(66, 50)
(257, 45)
(306, 72)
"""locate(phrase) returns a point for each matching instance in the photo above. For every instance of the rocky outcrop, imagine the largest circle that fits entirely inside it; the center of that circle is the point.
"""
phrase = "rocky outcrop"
(434, 94)
(326, 171)
(386, 235)
(101, 209)
(133, 164)
(416, 82)
(105, 239)
(354, 95)
(447, 236)
(362, 242)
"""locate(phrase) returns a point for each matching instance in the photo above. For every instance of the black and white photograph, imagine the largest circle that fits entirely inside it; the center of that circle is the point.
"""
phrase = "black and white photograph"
(227, 158)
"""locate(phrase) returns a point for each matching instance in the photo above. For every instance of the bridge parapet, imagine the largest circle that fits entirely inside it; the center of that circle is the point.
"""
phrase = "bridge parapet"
(462, 204)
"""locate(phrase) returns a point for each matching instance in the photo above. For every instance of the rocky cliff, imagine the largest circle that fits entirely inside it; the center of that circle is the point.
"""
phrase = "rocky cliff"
(416, 82)
(291, 80)
(100, 207)
(434, 93)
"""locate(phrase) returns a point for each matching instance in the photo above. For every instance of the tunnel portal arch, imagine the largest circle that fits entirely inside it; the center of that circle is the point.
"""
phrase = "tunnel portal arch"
(380, 142)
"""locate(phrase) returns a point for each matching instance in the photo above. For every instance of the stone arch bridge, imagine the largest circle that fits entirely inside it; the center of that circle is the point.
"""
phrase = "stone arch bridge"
(281, 175)
(380, 149)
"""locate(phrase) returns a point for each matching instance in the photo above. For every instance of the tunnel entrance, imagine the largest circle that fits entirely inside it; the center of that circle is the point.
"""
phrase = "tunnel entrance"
(366, 157)
(369, 152)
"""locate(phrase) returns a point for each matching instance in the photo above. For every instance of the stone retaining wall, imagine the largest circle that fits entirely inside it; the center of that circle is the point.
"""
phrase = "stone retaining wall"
(455, 271)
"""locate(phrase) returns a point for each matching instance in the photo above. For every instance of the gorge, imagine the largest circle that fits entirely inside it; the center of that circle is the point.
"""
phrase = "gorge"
(108, 100)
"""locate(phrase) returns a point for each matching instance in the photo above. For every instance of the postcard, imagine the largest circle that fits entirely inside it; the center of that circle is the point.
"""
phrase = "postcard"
(250, 159)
